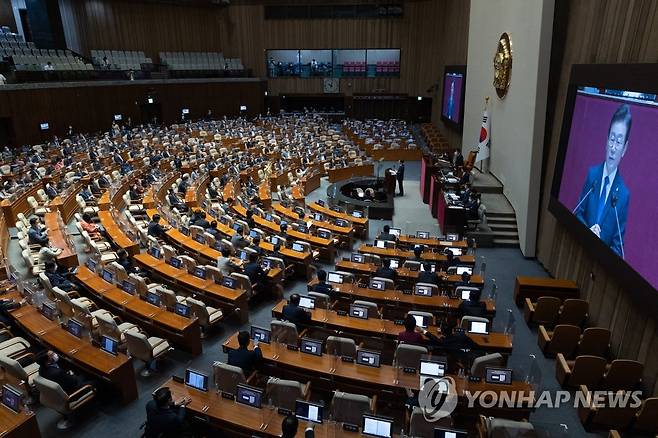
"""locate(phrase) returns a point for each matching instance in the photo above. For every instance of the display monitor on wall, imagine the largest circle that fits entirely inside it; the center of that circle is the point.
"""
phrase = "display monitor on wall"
(452, 103)
(604, 186)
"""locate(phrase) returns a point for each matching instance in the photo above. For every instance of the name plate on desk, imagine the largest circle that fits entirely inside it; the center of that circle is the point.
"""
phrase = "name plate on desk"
(475, 379)
(292, 347)
(285, 412)
(347, 359)
(227, 395)
(350, 427)
(409, 370)
(341, 313)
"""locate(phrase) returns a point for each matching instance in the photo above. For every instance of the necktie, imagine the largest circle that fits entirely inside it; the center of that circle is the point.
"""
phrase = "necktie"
(606, 181)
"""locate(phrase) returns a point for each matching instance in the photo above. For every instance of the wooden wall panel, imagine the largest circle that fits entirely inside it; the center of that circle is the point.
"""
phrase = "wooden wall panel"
(7, 15)
(596, 31)
(91, 108)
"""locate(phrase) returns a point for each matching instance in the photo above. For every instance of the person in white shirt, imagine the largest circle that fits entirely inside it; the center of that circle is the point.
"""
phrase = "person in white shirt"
(3, 79)
(48, 253)
(49, 67)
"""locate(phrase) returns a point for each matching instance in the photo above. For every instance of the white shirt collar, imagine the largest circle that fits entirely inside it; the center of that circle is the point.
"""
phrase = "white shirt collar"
(611, 176)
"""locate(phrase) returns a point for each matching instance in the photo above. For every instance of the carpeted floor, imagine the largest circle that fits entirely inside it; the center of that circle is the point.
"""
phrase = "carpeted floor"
(110, 419)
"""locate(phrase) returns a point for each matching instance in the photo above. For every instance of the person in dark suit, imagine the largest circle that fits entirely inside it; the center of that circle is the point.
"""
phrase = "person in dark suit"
(473, 306)
(323, 287)
(176, 202)
(290, 425)
(457, 159)
(164, 417)
(255, 273)
(244, 358)
(418, 254)
(201, 220)
(36, 235)
(295, 314)
(155, 229)
(400, 177)
(603, 202)
(385, 271)
(50, 369)
(386, 234)
(58, 279)
(212, 230)
(6, 306)
(427, 276)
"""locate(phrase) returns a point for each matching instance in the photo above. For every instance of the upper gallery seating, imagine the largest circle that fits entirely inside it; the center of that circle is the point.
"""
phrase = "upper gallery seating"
(203, 61)
(119, 59)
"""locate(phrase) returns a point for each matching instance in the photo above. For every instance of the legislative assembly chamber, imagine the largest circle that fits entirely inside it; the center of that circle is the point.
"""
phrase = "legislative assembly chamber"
(314, 218)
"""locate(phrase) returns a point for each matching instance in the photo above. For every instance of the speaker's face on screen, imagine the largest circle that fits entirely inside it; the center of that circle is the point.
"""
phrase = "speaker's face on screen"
(617, 144)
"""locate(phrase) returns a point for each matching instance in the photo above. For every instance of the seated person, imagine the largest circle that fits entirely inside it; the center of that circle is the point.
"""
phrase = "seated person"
(250, 219)
(201, 220)
(238, 241)
(36, 234)
(58, 279)
(466, 280)
(410, 335)
(450, 259)
(295, 314)
(86, 194)
(427, 276)
(7, 305)
(48, 253)
(324, 287)
(452, 338)
(176, 202)
(49, 368)
(385, 271)
(386, 234)
(224, 263)
(125, 261)
(212, 192)
(418, 254)
(164, 417)
(182, 187)
(290, 425)
(87, 224)
(256, 275)
(255, 245)
(155, 229)
(473, 306)
(213, 231)
(244, 358)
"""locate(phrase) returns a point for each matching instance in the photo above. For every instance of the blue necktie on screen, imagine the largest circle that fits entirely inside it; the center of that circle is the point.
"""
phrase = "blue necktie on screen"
(606, 181)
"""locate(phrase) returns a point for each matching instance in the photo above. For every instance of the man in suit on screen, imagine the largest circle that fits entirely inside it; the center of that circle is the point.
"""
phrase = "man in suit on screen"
(603, 202)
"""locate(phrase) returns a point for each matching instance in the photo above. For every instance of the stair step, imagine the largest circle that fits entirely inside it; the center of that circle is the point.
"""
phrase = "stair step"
(501, 214)
(503, 226)
(506, 234)
(506, 243)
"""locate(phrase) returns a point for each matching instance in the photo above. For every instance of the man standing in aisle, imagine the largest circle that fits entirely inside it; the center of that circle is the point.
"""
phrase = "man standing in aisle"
(400, 176)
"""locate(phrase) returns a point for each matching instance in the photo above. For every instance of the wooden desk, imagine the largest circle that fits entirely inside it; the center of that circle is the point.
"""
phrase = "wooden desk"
(396, 253)
(238, 420)
(372, 327)
(57, 238)
(396, 154)
(21, 425)
(117, 370)
(398, 300)
(310, 182)
(360, 224)
(116, 234)
(181, 331)
(434, 243)
(265, 195)
(348, 172)
(535, 287)
(233, 299)
(369, 379)
(343, 232)
(19, 205)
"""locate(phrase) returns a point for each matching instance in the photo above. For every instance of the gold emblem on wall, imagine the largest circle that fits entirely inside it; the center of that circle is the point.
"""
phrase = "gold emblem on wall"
(503, 65)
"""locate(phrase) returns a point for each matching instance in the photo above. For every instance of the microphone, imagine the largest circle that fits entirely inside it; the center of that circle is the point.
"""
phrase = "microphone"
(583, 200)
(613, 202)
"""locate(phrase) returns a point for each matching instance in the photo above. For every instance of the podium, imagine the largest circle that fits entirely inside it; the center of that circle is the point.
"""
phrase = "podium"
(389, 182)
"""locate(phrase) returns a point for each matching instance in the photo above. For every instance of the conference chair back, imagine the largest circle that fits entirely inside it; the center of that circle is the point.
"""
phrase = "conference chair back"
(420, 427)
(408, 356)
(645, 420)
(388, 283)
(488, 360)
(284, 332)
(373, 310)
(322, 301)
(546, 311)
(350, 408)
(466, 320)
(623, 374)
(595, 341)
(284, 393)
(339, 346)
(227, 377)
(574, 311)
(585, 370)
(564, 339)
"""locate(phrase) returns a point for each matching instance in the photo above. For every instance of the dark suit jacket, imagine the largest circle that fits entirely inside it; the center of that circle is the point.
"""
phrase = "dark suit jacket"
(155, 229)
(254, 272)
(325, 288)
(296, 315)
(400, 172)
(164, 422)
(587, 211)
(473, 308)
(246, 359)
(385, 272)
(428, 277)
(36, 236)
(68, 382)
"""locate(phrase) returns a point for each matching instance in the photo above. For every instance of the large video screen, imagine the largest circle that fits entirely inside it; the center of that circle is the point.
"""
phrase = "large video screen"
(452, 103)
(608, 179)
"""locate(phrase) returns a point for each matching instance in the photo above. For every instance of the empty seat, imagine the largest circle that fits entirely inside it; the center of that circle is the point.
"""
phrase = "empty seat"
(544, 311)
(646, 419)
(478, 368)
(622, 374)
(595, 341)
(349, 408)
(228, 377)
(285, 393)
(284, 332)
(53, 396)
(208, 316)
(606, 413)
(584, 370)
(574, 311)
(339, 346)
(408, 356)
(146, 349)
(563, 339)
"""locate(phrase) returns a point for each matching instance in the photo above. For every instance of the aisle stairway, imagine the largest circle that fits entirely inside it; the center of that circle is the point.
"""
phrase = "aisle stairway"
(501, 228)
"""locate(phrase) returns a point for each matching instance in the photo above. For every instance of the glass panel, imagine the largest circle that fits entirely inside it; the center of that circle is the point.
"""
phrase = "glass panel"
(349, 63)
(383, 62)
(316, 63)
(282, 63)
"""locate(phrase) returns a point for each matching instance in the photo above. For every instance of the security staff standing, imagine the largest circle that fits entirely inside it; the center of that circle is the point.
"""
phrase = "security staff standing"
(400, 176)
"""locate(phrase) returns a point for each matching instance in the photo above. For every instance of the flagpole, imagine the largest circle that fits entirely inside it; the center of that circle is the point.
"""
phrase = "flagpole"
(486, 105)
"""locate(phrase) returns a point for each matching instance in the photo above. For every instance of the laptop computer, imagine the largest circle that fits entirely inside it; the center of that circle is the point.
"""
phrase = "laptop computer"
(358, 311)
(335, 277)
(501, 376)
(308, 411)
(478, 327)
(368, 358)
(109, 345)
(196, 379)
(261, 334)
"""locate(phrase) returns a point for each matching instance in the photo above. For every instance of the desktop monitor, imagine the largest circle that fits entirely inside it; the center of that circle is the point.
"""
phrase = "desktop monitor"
(358, 258)
(243, 255)
(462, 269)
(341, 222)
(377, 426)
(74, 327)
(422, 321)
(449, 433)
(455, 251)
(185, 111)
(200, 272)
(501, 376)
(478, 327)
(182, 310)
(154, 252)
(308, 411)
(318, 217)
(91, 264)
(466, 294)
(153, 298)
(395, 263)
(109, 345)
(311, 346)
(200, 238)
(302, 229)
(357, 214)
(44, 126)
(320, 202)
(298, 247)
(11, 398)
(118, 117)
(307, 302)
(358, 311)
(432, 267)
(49, 311)
(108, 276)
(185, 231)
(176, 262)
(218, 245)
(324, 234)
(452, 237)
(229, 282)
(335, 277)
(236, 226)
(423, 234)
(197, 380)
(377, 284)
(380, 244)
(129, 286)
(395, 231)
(368, 358)
(253, 233)
(260, 334)
(248, 395)
(432, 368)
(423, 291)
(274, 240)
(268, 217)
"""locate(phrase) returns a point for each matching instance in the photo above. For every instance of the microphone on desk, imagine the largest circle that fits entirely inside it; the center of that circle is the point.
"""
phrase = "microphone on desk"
(583, 200)
(613, 202)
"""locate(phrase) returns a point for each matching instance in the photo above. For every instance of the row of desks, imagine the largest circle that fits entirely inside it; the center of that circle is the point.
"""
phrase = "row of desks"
(396, 253)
